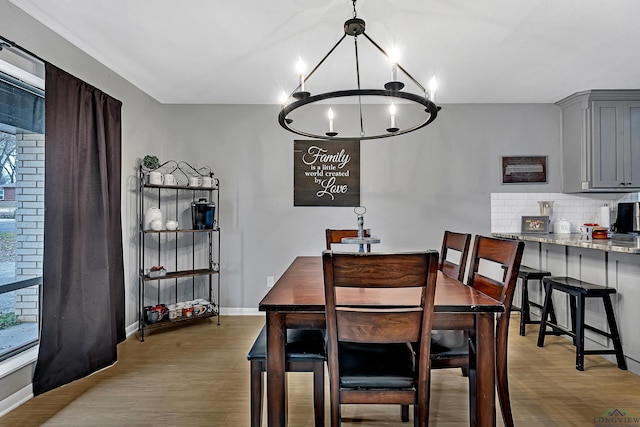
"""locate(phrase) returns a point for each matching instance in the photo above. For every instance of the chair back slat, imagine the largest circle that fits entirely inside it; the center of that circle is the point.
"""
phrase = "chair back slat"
(507, 255)
(458, 243)
(380, 270)
(334, 236)
(389, 326)
(488, 286)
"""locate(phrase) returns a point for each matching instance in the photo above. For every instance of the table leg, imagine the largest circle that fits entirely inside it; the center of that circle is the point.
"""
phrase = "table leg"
(276, 376)
(485, 364)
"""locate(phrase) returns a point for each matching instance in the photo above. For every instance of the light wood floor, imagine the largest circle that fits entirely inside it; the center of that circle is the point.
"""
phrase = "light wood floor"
(198, 375)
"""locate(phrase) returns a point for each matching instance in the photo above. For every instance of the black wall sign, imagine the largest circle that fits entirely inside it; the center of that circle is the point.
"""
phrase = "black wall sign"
(326, 173)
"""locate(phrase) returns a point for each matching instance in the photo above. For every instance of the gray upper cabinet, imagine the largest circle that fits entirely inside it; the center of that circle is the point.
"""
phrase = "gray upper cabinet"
(601, 141)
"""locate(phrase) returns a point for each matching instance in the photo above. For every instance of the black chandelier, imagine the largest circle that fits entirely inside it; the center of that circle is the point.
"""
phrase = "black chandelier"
(425, 113)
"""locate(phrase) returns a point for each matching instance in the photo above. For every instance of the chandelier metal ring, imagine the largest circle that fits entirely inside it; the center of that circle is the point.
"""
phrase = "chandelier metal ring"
(430, 108)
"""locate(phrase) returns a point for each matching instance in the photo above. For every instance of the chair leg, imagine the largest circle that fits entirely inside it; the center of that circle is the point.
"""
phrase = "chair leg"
(404, 413)
(318, 393)
(578, 322)
(421, 408)
(613, 330)
(572, 309)
(552, 314)
(546, 308)
(503, 387)
(524, 307)
(473, 411)
(334, 395)
(256, 393)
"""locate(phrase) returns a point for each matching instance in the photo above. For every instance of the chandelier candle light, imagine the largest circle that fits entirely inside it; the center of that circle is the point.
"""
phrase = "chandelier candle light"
(330, 116)
(392, 113)
(392, 95)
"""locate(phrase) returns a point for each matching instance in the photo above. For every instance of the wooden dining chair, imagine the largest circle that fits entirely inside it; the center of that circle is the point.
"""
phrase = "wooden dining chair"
(493, 271)
(369, 344)
(336, 236)
(304, 352)
(454, 244)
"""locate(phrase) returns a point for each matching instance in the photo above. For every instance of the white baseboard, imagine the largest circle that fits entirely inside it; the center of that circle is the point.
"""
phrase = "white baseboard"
(11, 365)
(16, 399)
(131, 329)
(253, 311)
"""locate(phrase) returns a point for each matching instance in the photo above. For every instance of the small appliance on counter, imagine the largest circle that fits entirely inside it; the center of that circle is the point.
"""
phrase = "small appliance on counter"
(628, 220)
(203, 214)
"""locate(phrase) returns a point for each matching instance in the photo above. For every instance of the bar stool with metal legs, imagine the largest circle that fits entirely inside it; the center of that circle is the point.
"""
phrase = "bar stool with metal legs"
(579, 291)
(525, 274)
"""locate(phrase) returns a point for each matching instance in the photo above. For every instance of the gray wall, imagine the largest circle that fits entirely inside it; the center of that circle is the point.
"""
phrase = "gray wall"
(413, 186)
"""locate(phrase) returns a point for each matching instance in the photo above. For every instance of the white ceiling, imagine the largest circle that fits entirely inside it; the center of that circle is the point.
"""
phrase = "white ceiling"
(244, 51)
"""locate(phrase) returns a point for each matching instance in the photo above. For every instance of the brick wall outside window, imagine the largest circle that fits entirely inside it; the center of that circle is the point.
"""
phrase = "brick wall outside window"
(29, 221)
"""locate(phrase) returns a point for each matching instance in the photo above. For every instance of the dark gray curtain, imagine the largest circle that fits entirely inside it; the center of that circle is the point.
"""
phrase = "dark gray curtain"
(83, 274)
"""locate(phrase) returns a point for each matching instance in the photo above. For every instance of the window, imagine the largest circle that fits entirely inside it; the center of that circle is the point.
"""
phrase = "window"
(21, 206)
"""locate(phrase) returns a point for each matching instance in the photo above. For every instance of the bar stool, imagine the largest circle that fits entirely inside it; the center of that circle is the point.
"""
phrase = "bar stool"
(579, 291)
(526, 274)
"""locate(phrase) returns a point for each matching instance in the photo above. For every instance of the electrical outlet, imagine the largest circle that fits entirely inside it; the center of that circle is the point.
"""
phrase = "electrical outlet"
(270, 281)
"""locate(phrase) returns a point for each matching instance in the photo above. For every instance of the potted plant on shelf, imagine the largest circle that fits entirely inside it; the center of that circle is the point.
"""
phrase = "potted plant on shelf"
(150, 162)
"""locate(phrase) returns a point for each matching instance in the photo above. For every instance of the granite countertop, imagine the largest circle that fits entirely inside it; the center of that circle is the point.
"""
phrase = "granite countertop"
(618, 243)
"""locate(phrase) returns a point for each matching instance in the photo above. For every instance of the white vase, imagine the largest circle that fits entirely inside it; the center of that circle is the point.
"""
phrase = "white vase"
(151, 215)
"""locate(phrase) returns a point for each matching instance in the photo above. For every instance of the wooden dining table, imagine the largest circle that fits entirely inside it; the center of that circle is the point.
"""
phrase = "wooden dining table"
(297, 301)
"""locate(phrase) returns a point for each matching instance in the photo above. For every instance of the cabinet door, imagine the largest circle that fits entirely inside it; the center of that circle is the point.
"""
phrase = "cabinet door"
(632, 143)
(607, 144)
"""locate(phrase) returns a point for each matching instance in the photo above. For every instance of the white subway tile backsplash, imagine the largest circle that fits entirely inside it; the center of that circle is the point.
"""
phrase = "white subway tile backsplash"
(504, 196)
(508, 208)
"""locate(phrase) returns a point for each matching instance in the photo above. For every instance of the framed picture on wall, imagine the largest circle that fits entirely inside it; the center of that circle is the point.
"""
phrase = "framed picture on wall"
(523, 169)
(326, 173)
(535, 224)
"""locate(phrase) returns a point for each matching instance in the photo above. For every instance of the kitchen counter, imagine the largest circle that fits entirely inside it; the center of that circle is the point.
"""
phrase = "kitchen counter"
(619, 243)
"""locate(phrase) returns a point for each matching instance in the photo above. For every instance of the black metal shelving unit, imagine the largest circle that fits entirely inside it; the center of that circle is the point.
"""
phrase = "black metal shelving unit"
(192, 255)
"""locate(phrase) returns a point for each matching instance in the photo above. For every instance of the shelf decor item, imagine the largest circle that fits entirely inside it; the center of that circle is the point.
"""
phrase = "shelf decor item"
(157, 272)
(535, 224)
(151, 162)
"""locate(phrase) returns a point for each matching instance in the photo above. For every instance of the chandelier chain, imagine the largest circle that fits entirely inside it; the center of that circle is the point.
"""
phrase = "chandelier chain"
(355, 14)
(355, 43)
